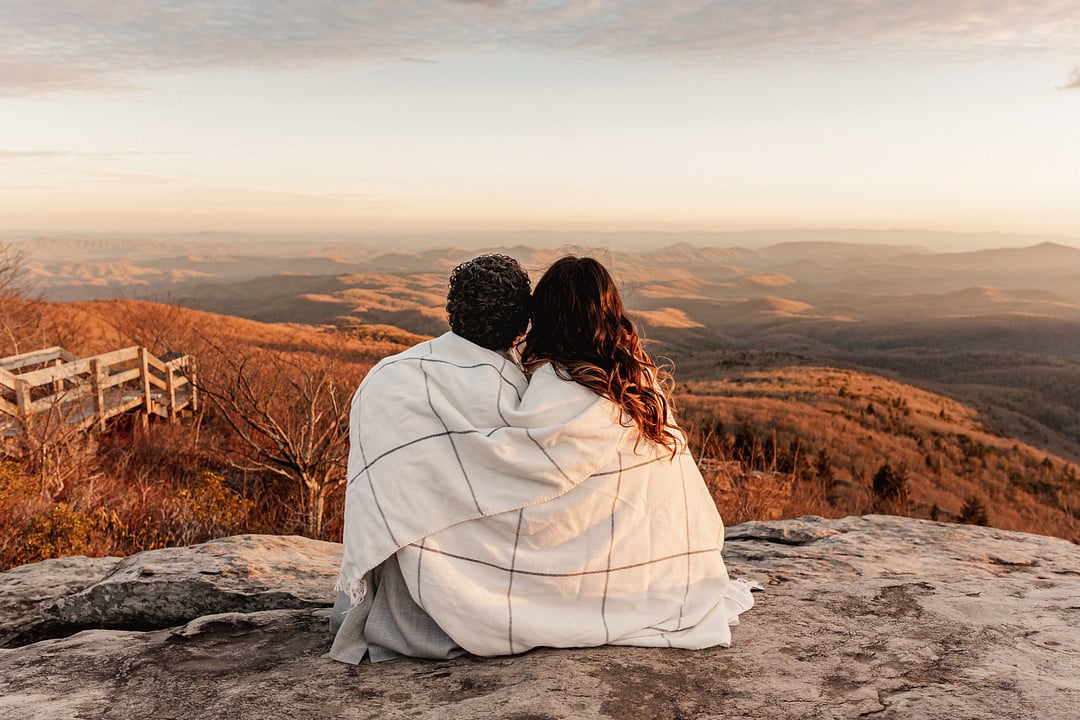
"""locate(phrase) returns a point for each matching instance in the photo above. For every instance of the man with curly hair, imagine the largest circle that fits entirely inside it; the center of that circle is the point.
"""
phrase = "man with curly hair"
(488, 306)
(488, 301)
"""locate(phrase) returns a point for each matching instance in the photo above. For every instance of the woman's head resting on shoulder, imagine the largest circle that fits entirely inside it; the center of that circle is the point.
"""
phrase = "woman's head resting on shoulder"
(580, 326)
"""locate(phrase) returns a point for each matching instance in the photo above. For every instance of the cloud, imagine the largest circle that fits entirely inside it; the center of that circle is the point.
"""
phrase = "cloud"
(40, 154)
(487, 3)
(29, 154)
(1074, 81)
(90, 44)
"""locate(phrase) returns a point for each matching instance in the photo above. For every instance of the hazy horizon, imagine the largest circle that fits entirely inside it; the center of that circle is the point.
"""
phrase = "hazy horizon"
(929, 241)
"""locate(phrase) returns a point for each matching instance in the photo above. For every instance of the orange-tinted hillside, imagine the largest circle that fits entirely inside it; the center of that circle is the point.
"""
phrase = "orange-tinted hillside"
(947, 454)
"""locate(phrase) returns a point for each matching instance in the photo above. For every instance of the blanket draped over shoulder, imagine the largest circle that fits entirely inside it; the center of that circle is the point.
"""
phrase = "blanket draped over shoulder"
(526, 514)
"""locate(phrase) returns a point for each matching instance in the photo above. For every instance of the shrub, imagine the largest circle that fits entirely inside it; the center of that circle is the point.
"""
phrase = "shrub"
(890, 486)
(60, 530)
(206, 509)
(973, 512)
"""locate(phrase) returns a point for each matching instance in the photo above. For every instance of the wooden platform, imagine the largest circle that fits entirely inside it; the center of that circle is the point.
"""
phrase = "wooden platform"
(54, 385)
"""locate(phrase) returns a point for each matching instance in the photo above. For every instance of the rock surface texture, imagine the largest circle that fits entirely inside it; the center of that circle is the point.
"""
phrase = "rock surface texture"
(862, 617)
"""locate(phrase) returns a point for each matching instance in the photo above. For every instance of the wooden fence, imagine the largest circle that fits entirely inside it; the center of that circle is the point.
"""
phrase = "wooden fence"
(88, 391)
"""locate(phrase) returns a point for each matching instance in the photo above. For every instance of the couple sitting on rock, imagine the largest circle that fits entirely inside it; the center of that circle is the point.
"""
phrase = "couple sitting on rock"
(498, 503)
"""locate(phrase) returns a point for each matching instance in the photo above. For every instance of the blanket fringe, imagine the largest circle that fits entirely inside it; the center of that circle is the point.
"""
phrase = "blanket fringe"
(356, 589)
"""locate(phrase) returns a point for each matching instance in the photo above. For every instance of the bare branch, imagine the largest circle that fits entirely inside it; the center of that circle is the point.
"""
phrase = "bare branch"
(288, 414)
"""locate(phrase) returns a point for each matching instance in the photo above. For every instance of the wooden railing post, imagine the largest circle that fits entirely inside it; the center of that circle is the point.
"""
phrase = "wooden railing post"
(58, 384)
(170, 389)
(193, 384)
(99, 392)
(22, 399)
(144, 380)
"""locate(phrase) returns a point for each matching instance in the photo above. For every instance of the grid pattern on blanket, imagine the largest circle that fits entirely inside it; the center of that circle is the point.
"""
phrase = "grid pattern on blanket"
(527, 514)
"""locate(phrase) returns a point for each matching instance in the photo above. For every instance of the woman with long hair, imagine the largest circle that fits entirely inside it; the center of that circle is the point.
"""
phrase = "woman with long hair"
(580, 326)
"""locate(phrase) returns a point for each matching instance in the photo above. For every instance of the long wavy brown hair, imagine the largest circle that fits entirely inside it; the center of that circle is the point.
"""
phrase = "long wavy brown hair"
(580, 327)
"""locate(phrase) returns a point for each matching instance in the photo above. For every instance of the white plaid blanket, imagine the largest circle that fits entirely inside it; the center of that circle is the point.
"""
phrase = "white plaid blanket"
(521, 513)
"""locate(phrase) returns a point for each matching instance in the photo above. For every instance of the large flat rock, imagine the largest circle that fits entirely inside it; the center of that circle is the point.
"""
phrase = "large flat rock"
(162, 588)
(876, 616)
(27, 592)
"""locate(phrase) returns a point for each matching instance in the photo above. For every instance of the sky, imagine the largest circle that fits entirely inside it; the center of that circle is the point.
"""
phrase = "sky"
(454, 115)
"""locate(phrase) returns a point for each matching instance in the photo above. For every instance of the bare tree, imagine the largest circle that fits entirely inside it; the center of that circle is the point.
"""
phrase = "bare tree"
(17, 311)
(25, 321)
(289, 416)
(55, 448)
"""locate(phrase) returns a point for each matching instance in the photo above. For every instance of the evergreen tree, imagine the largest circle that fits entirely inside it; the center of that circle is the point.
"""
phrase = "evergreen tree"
(973, 512)
(890, 487)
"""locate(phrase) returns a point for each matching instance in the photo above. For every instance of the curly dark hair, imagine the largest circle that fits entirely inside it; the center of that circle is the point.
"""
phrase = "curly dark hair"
(489, 301)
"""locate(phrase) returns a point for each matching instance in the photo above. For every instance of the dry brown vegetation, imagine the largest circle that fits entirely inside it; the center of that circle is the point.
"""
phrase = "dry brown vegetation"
(837, 442)
(266, 455)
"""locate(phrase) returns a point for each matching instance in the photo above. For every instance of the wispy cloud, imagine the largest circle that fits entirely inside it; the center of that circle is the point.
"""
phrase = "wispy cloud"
(487, 3)
(29, 154)
(1074, 81)
(39, 154)
(72, 44)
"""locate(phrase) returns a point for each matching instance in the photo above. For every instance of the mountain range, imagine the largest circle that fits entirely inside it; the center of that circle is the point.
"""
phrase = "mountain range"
(995, 330)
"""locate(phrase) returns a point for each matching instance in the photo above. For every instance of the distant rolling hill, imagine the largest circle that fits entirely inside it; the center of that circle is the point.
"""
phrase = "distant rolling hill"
(999, 329)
